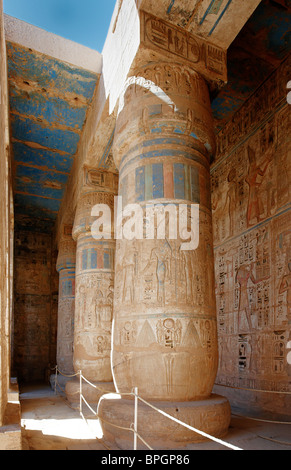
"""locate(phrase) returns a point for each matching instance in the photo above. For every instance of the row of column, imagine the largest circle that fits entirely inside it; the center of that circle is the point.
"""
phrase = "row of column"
(165, 316)
(161, 297)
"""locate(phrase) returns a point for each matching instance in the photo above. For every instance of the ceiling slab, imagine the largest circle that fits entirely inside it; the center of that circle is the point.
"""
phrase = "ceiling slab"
(49, 100)
(261, 46)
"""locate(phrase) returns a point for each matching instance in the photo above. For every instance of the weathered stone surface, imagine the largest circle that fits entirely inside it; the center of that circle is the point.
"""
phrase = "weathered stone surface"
(251, 225)
(165, 339)
(95, 261)
(35, 306)
(165, 333)
(66, 264)
(6, 231)
(211, 416)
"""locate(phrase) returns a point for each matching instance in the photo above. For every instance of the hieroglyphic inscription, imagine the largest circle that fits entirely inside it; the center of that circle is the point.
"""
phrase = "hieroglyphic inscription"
(252, 238)
(207, 58)
(101, 179)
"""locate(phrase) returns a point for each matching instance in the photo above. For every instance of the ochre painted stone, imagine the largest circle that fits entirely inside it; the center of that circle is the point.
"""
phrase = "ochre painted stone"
(211, 415)
(250, 182)
(66, 264)
(95, 261)
(165, 333)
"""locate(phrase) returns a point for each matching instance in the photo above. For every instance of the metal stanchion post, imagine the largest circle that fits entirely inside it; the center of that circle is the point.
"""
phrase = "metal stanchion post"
(80, 372)
(56, 380)
(135, 416)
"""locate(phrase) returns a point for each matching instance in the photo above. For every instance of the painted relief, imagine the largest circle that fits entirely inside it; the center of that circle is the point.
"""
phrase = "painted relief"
(207, 57)
(252, 239)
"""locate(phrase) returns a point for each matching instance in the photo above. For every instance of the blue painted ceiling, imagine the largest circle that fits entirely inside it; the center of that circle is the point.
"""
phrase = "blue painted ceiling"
(258, 50)
(49, 100)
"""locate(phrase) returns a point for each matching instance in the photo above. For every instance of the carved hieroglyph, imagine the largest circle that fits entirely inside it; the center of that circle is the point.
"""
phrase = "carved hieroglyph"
(252, 236)
(66, 264)
(94, 282)
(176, 43)
(165, 332)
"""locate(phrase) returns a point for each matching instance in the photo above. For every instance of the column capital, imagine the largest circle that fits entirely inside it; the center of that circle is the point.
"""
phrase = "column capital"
(99, 187)
(96, 179)
(162, 40)
(164, 99)
(67, 250)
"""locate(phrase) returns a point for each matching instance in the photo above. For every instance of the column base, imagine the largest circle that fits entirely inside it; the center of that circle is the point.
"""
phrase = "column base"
(62, 382)
(211, 416)
(92, 395)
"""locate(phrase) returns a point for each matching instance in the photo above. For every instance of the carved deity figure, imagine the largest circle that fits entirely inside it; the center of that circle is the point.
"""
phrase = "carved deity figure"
(161, 256)
(254, 181)
(285, 286)
(243, 275)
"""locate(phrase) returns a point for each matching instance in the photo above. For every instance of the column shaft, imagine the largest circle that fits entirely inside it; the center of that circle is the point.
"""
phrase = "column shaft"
(94, 291)
(165, 332)
(66, 307)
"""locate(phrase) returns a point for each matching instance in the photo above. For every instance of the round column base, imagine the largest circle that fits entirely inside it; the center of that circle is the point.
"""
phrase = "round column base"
(91, 394)
(211, 416)
(62, 382)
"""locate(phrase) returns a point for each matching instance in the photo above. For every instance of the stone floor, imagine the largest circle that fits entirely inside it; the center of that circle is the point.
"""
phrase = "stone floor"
(49, 423)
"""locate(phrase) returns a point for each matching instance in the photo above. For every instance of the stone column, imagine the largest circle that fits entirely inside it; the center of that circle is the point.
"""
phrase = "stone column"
(66, 264)
(165, 328)
(94, 290)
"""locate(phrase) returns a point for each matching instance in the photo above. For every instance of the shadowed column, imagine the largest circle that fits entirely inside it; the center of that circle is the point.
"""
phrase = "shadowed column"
(94, 290)
(66, 265)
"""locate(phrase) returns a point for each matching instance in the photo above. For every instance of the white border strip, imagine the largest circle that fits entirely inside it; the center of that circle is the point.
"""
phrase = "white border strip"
(37, 39)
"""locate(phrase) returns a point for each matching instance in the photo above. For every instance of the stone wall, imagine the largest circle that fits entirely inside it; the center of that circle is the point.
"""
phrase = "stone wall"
(252, 237)
(6, 218)
(35, 306)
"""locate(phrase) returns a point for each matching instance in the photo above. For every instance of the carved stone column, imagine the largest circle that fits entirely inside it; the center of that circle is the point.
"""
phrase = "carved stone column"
(165, 328)
(66, 264)
(94, 289)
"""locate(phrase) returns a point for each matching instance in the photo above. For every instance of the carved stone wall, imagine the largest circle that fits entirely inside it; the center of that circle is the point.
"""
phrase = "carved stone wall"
(35, 306)
(252, 238)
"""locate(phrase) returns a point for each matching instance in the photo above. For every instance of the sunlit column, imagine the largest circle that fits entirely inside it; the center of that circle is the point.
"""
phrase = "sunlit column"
(165, 328)
(165, 332)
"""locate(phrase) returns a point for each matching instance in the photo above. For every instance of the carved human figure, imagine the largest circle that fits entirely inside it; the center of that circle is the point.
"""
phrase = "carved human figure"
(285, 286)
(254, 181)
(161, 257)
(230, 200)
(243, 275)
(128, 279)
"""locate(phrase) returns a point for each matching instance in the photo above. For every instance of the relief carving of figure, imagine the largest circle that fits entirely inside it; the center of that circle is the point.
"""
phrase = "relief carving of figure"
(285, 286)
(128, 269)
(161, 256)
(254, 180)
(243, 275)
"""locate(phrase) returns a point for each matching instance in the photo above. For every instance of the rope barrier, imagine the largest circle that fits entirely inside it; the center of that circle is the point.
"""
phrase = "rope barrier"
(260, 419)
(253, 390)
(133, 427)
(275, 440)
(202, 433)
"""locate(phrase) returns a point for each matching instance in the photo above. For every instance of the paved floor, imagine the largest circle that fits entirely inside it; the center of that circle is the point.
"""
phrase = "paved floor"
(49, 423)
